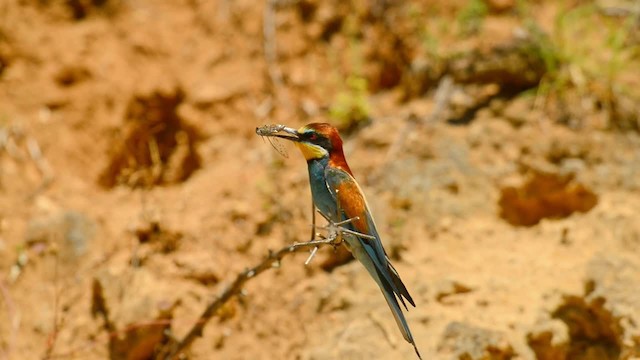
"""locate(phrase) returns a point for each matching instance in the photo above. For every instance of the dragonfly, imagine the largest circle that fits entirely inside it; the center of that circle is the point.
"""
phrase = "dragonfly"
(266, 131)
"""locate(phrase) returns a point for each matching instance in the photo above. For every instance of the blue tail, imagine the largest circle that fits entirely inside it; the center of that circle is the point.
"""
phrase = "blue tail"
(389, 282)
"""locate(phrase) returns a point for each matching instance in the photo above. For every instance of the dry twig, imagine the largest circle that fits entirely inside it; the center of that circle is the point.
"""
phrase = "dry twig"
(273, 260)
(12, 318)
(271, 51)
(57, 322)
(35, 153)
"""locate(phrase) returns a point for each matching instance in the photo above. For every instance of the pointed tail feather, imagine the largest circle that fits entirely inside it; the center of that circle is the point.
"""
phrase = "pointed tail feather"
(391, 291)
(397, 313)
(387, 291)
(402, 290)
(387, 273)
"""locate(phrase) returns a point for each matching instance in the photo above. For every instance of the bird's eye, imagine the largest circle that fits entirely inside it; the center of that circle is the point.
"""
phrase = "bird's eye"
(313, 137)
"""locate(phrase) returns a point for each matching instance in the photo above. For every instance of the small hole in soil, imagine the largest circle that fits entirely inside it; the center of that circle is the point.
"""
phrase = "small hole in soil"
(80, 9)
(4, 59)
(158, 147)
(331, 27)
(71, 75)
(165, 241)
(307, 10)
(544, 196)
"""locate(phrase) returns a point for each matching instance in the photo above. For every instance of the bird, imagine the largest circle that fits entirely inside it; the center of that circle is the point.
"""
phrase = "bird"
(338, 196)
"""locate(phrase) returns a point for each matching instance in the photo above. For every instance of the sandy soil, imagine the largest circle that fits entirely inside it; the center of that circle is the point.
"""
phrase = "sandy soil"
(133, 188)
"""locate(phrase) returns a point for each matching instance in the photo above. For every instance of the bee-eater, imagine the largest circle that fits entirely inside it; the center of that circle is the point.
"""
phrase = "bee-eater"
(334, 189)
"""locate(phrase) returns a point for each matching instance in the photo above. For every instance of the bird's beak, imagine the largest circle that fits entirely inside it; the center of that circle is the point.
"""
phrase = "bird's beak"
(280, 131)
(292, 134)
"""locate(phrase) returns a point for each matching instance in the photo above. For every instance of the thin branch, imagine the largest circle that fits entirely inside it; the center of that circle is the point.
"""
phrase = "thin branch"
(57, 323)
(42, 164)
(12, 318)
(172, 350)
(313, 220)
(271, 52)
(313, 232)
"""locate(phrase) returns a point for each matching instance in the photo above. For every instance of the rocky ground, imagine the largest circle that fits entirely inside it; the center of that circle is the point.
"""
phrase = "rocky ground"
(497, 142)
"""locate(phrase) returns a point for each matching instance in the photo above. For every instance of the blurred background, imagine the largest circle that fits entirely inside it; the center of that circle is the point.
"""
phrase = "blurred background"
(496, 140)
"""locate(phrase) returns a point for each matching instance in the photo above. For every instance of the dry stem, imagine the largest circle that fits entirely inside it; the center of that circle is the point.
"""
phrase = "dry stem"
(271, 52)
(11, 317)
(57, 322)
(172, 350)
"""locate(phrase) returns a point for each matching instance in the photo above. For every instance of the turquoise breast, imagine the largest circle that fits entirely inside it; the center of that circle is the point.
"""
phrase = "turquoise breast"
(322, 198)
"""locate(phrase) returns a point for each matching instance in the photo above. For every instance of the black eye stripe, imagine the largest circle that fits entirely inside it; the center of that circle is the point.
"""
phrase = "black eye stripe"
(317, 139)
(309, 136)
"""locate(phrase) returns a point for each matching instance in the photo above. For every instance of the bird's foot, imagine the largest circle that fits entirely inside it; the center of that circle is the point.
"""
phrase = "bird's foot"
(335, 232)
(337, 229)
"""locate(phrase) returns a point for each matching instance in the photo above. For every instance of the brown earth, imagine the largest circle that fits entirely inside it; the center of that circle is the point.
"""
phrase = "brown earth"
(133, 188)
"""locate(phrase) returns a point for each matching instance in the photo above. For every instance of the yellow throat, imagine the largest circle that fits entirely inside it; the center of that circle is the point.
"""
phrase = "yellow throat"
(311, 151)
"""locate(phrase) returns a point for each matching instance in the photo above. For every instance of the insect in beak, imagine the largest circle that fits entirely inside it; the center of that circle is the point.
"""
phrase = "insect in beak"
(273, 132)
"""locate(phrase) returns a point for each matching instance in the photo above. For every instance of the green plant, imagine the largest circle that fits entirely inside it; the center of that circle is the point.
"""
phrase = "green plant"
(351, 106)
(470, 17)
(588, 56)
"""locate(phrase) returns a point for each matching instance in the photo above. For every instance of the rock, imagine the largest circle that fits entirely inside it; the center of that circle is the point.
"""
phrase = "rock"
(602, 323)
(514, 65)
(549, 340)
(70, 231)
(464, 341)
(136, 309)
(448, 288)
(614, 281)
